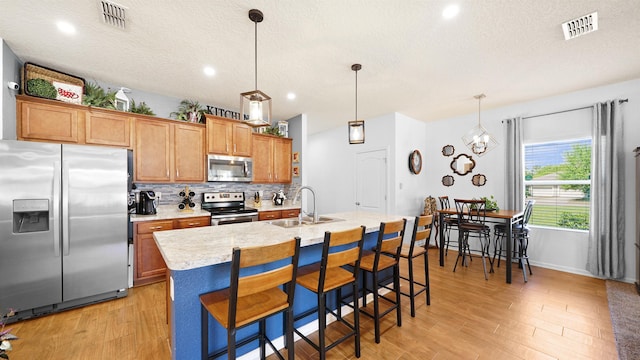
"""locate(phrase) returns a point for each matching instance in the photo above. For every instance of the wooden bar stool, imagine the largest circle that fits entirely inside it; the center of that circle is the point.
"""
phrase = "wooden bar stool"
(340, 248)
(421, 232)
(253, 298)
(385, 256)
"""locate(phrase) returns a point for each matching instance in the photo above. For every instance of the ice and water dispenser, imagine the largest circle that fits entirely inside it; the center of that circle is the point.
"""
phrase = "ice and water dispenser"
(30, 215)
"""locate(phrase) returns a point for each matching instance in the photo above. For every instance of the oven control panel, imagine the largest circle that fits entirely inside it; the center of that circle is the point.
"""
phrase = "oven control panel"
(223, 197)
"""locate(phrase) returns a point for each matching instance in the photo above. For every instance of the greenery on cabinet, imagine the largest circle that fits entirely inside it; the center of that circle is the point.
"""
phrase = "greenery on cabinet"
(42, 88)
(140, 108)
(273, 130)
(95, 95)
(190, 110)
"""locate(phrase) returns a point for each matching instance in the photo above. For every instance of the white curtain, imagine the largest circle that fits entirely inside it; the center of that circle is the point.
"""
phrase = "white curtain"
(606, 233)
(514, 173)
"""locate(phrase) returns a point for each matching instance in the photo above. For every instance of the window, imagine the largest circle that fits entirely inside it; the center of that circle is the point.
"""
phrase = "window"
(557, 177)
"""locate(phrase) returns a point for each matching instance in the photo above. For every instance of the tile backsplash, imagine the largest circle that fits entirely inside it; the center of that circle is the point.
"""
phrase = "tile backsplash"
(170, 191)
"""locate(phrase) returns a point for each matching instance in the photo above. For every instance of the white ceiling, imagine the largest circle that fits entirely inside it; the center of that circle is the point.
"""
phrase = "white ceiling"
(413, 61)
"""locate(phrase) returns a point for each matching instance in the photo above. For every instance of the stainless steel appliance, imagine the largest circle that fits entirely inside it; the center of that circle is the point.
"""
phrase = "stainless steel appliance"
(63, 226)
(228, 208)
(148, 203)
(229, 168)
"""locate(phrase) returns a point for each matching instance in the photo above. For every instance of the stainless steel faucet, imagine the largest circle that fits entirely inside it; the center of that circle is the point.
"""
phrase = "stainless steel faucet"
(295, 199)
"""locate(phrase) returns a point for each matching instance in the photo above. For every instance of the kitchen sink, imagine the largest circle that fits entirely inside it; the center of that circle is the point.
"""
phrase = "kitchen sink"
(294, 222)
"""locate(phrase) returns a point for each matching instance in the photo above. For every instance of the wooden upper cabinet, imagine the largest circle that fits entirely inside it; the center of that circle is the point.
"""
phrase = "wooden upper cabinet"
(169, 151)
(282, 160)
(271, 159)
(262, 159)
(108, 128)
(43, 120)
(152, 151)
(228, 137)
(189, 153)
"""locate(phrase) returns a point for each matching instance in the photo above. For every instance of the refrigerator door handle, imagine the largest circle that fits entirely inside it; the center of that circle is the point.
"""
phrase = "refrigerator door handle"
(55, 195)
(65, 209)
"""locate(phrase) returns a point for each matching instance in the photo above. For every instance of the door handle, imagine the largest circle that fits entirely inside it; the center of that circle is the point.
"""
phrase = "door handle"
(358, 203)
(65, 210)
(56, 208)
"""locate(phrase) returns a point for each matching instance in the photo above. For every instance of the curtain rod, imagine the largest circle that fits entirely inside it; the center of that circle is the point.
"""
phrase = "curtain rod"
(564, 111)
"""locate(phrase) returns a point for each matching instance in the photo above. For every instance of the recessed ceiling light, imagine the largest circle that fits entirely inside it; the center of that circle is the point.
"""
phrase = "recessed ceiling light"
(66, 27)
(209, 71)
(291, 96)
(450, 11)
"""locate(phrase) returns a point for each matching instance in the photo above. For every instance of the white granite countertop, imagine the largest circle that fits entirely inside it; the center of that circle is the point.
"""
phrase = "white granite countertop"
(198, 247)
(164, 212)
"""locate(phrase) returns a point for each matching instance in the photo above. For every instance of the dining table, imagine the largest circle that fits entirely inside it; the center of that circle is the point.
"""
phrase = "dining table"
(507, 217)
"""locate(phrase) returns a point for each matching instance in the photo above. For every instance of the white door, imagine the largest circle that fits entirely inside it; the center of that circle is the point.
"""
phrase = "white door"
(371, 181)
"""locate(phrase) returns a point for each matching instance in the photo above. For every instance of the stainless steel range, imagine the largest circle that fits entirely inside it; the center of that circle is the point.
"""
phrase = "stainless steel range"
(228, 208)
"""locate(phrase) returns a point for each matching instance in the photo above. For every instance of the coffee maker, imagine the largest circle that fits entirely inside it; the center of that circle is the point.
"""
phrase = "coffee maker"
(148, 203)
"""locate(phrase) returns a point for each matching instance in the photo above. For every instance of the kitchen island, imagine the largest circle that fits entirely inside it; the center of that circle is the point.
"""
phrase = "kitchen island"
(198, 261)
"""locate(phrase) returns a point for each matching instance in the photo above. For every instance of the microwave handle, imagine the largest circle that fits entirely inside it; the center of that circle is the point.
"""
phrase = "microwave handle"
(246, 168)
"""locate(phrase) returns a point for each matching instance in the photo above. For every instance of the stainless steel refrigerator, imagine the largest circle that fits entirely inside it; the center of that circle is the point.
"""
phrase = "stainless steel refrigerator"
(63, 226)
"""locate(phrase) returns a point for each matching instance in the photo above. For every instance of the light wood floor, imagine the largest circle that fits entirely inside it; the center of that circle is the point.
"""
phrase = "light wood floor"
(554, 316)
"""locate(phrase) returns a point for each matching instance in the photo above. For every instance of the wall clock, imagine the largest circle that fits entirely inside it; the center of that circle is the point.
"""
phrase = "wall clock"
(415, 162)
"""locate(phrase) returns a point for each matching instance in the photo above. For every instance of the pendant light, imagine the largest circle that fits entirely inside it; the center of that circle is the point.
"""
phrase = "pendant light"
(255, 106)
(478, 139)
(356, 127)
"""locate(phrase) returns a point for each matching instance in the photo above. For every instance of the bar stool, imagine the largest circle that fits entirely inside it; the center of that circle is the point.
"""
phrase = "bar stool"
(386, 255)
(340, 248)
(253, 298)
(421, 232)
(520, 236)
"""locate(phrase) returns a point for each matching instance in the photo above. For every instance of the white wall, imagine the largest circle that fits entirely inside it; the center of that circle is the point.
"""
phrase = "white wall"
(9, 71)
(332, 164)
(332, 159)
(563, 250)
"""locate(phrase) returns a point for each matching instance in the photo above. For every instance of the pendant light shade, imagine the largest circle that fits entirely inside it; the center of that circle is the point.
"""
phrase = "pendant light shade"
(255, 106)
(356, 127)
(478, 138)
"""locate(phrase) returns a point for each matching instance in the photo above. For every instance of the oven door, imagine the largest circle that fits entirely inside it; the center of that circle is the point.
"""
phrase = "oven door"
(233, 219)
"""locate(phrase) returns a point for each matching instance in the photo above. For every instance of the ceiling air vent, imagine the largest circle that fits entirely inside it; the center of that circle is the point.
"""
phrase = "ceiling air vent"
(113, 14)
(580, 26)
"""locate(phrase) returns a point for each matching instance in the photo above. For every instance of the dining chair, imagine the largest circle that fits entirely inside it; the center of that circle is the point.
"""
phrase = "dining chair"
(431, 208)
(449, 222)
(254, 297)
(520, 236)
(385, 256)
(339, 266)
(421, 233)
(471, 216)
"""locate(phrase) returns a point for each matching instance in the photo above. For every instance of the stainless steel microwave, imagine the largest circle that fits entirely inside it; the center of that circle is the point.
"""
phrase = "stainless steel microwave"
(229, 168)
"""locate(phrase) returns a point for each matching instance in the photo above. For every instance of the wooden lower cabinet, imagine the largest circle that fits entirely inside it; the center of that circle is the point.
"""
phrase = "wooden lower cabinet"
(149, 266)
(278, 214)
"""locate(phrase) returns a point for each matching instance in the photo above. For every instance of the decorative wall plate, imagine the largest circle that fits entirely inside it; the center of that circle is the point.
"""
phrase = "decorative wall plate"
(448, 180)
(479, 180)
(448, 150)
